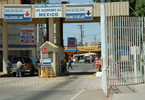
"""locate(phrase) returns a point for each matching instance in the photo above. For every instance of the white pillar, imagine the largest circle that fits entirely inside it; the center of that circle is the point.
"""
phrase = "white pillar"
(5, 45)
(104, 49)
(51, 30)
(37, 41)
(58, 31)
(54, 63)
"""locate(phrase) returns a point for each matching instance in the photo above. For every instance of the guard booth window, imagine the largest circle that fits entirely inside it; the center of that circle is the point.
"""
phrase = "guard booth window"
(50, 56)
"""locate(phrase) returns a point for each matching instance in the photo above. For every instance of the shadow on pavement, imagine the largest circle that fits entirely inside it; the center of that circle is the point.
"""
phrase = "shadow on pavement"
(78, 73)
(123, 89)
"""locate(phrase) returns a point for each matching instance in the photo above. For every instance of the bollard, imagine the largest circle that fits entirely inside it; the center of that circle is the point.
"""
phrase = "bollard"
(39, 72)
(51, 72)
(46, 72)
(43, 72)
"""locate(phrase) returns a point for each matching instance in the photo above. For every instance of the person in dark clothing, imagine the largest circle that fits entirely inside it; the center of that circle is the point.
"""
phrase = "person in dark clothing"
(63, 66)
(69, 63)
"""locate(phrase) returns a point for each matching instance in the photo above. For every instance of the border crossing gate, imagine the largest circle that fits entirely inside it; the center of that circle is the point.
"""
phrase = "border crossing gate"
(125, 52)
(124, 35)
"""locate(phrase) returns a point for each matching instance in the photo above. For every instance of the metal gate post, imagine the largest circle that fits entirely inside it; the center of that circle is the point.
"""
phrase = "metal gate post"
(135, 66)
(104, 50)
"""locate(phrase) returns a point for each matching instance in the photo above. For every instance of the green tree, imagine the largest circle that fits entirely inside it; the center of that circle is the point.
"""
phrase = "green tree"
(139, 8)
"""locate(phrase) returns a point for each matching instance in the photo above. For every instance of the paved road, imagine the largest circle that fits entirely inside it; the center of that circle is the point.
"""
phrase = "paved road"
(79, 84)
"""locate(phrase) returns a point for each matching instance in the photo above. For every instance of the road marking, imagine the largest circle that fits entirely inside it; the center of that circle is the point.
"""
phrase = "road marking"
(36, 82)
(47, 81)
(1, 85)
(33, 82)
(5, 85)
(43, 81)
(77, 95)
(16, 84)
(9, 85)
(13, 84)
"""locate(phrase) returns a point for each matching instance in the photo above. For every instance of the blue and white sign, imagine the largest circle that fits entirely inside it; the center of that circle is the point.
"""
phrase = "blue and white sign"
(79, 13)
(45, 62)
(48, 10)
(17, 13)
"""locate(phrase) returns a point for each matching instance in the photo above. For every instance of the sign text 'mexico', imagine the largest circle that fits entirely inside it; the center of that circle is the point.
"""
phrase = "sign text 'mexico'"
(48, 10)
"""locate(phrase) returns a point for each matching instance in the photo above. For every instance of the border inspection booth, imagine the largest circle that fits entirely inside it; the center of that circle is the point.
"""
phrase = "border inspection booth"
(56, 54)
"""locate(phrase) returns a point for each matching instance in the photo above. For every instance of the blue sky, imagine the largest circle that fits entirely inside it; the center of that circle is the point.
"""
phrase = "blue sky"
(90, 29)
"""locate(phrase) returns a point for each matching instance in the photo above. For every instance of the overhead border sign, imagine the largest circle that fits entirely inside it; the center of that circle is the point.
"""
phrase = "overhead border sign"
(17, 13)
(79, 13)
(48, 10)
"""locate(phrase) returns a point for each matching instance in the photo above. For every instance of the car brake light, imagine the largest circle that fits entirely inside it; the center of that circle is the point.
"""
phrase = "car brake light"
(11, 66)
(30, 66)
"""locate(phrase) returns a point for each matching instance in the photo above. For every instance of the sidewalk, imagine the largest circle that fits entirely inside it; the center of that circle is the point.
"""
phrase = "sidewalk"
(2, 74)
(128, 92)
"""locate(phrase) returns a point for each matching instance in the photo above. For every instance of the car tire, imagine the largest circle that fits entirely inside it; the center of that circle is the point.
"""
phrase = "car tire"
(22, 74)
(32, 72)
(14, 74)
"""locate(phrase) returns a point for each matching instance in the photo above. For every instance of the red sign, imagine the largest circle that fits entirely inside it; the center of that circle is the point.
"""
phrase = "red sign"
(98, 62)
(45, 50)
(27, 36)
(27, 14)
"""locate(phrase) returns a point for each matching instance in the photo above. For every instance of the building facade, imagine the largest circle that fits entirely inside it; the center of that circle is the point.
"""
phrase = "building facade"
(22, 41)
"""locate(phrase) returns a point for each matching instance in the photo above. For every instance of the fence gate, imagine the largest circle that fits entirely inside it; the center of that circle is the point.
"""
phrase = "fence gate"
(124, 39)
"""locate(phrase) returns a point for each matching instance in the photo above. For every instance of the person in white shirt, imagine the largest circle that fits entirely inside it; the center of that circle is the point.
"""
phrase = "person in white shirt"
(8, 67)
(96, 57)
(100, 57)
(19, 64)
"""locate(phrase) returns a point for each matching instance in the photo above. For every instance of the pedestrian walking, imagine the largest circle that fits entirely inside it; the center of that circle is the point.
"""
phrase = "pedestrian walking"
(8, 67)
(96, 57)
(69, 63)
(19, 64)
(100, 57)
(91, 59)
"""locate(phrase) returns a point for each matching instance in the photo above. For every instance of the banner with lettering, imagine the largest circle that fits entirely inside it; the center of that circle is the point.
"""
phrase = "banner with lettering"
(27, 36)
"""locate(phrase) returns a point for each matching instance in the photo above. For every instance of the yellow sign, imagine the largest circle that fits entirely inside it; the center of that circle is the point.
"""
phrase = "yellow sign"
(83, 48)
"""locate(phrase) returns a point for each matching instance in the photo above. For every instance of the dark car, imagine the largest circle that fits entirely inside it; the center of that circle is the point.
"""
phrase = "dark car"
(31, 65)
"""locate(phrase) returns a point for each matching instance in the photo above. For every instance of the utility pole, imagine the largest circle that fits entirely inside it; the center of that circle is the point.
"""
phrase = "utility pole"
(95, 37)
(81, 28)
(76, 46)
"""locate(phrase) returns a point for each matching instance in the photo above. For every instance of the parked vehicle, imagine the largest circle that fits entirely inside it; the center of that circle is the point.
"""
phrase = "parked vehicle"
(31, 65)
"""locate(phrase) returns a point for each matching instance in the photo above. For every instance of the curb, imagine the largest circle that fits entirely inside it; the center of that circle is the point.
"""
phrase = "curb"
(55, 75)
(3, 75)
(110, 95)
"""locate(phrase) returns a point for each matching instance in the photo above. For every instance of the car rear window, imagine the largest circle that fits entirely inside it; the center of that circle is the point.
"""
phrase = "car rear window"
(27, 60)
(16, 60)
